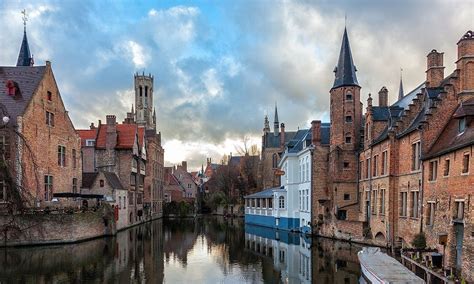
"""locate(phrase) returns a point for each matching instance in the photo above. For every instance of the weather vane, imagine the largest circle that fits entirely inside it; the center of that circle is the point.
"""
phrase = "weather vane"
(24, 17)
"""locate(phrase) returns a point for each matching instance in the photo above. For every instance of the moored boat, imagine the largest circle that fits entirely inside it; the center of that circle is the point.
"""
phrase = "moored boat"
(378, 267)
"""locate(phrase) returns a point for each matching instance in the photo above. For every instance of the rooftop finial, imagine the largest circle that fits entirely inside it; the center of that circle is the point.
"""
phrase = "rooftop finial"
(24, 17)
(345, 20)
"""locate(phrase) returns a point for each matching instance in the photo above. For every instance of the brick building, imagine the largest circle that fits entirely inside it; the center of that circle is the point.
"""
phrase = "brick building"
(400, 169)
(273, 145)
(39, 143)
(179, 184)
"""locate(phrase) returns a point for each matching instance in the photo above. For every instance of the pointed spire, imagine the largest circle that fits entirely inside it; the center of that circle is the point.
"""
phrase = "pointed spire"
(345, 70)
(24, 57)
(132, 109)
(266, 126)
(276, 125)
(400, 90)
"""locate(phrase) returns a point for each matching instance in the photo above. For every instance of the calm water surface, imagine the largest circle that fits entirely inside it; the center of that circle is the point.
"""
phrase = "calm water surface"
(206, 250)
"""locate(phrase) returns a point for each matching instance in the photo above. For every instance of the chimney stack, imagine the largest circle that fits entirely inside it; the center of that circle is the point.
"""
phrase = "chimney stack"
(111, 134)
(316, 132)
(92, 126)
(464, 63)
(282, 136)
(184, 165)
(383, 97)
(435, 69)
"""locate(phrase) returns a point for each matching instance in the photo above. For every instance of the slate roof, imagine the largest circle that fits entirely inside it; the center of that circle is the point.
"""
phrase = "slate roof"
(235, 160)
(345, 70)
(112, 179)
(24, 57)
(450, 139)
(28, 79)
(380, 113)
(406, 100)
(272, 141)
(267, 193)
(86, 134)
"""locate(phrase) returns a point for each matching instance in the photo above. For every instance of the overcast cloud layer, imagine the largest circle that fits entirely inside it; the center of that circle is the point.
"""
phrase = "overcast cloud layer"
(220, 66)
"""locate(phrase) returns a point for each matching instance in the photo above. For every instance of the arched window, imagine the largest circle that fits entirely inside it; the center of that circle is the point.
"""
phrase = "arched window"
(140, 90)
(348, 138)
(281, 202)
(275, 161)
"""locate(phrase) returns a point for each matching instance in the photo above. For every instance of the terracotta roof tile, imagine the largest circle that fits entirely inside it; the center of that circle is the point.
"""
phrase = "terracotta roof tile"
(86, 134)
(126, 134)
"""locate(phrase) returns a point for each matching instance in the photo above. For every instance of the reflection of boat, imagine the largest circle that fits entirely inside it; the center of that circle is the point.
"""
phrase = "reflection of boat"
(378, 267)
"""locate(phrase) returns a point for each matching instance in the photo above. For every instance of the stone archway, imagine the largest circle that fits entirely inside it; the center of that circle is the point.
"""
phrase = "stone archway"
(379, 237)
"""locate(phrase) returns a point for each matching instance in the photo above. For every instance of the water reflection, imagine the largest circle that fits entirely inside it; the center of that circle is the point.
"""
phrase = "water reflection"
(206, 250)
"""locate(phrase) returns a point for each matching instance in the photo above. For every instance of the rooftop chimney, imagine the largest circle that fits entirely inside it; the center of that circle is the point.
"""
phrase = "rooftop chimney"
(435, 69)
(316, 132)
(464, 63)
(383, 97)
(111, 134)
(92, 126)
(184, 165)
(282, 136)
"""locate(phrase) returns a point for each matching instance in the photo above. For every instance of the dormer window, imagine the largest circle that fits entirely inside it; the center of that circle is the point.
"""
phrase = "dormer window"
(462, 125)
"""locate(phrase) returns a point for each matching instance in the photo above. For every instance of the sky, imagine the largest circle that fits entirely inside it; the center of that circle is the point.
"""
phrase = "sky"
(220, 66)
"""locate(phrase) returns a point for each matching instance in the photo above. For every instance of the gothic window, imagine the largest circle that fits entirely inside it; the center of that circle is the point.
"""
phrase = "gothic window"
(275, 161)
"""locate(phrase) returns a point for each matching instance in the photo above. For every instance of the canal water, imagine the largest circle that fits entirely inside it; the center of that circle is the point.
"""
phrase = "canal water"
(205, 250)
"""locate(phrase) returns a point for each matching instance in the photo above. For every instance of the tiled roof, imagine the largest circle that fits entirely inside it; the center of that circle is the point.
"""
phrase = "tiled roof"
(126, 134)
(406, 100)
(28, 79)
(86, 134)
(380, 113)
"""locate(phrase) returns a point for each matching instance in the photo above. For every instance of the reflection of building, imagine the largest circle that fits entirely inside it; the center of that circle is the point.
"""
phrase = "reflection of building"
(290, 252)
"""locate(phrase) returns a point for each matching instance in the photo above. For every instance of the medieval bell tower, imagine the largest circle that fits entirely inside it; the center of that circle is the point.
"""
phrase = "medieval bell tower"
(144, 112)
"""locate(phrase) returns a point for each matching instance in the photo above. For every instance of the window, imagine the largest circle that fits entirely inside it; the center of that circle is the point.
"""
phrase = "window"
(462, 125)
(459, 210)
(348, 118)
(101, 183)
(124, 202)
(349, 96)
(50, 96)
(346, 165)
(49, 118)
(348, 139)
(367, 168)
(74, 165)
(120, 202)
(433, 170)
(258, 202)
(90, 142)
(189, 185)
(431, 213)
(48, 187)
(384, 162)
(361, 169)
(270, 203)
(74, 185)
(375, 170)
(347, 196)
(275, 161)
(341, 214)
(374, 201)
(301, 199)
(61, 156)
(139, 198)
(133, 179)
(382, 201)
(403, 203)
(282, 256)
(130, 198)
(446, 168)
(4, 146)
(465, 163)
(281, 202)
(3, 190)
(415, 156)
(307, 200)
(414, 204)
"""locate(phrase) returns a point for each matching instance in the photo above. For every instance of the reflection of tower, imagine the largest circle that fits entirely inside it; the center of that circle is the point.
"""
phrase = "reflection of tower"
(144, 113)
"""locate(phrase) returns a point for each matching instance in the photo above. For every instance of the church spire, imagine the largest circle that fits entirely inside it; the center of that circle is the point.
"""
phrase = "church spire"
(400, 90)
(345, 70)
(266, 127)
(276, 124)
(24, 57)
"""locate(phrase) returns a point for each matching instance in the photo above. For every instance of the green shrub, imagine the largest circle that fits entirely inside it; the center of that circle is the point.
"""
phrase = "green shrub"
(419, 241)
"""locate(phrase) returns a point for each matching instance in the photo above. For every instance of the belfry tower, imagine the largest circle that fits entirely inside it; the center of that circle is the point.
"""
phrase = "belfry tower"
(145, 114)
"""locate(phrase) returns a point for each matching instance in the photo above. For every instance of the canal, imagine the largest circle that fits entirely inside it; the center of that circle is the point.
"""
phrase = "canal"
(205, 250)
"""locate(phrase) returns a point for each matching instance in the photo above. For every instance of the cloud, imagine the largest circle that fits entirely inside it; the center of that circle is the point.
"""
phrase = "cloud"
(218, 69)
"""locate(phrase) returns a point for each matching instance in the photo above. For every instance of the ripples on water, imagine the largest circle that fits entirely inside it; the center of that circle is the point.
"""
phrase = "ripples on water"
(206, 250)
